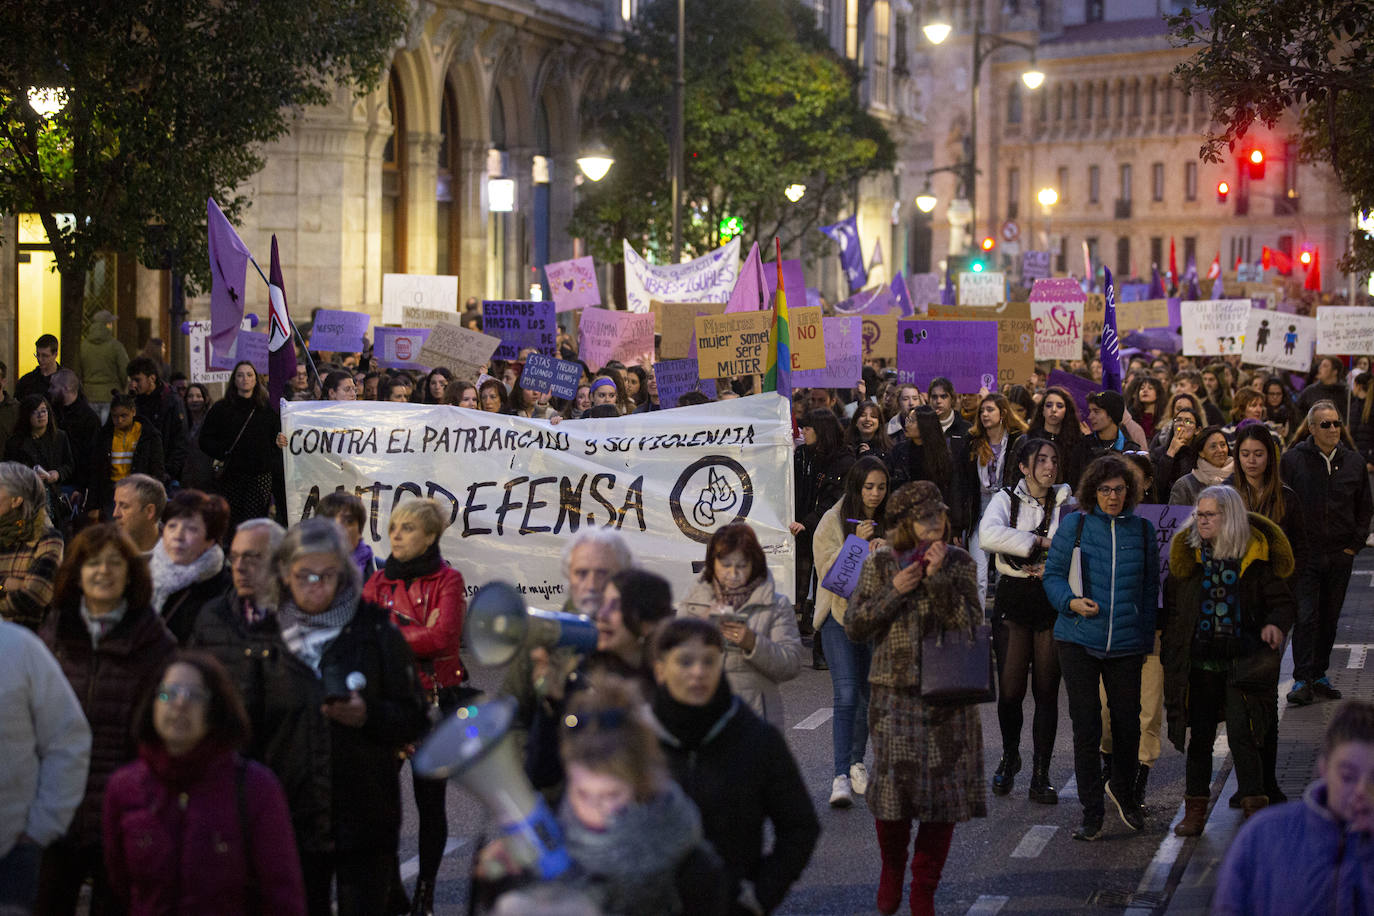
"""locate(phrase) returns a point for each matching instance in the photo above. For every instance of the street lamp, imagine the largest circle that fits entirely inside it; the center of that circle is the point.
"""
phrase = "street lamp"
(47, 101)
(1048, 197)
(925, 201)
(794, 192)
(596, 160)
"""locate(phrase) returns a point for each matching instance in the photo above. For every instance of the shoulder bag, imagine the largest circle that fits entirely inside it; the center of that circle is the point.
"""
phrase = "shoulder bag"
(220, 465)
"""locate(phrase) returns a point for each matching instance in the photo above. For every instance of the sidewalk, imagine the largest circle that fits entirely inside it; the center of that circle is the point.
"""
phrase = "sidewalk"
(1300, 734)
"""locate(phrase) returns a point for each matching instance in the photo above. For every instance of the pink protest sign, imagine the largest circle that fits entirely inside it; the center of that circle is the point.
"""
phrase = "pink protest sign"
(1057, 289)
(607, 335)
(573, 283)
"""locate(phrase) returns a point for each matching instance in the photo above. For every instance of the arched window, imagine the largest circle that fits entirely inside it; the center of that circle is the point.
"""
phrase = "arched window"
(394, 184)
(446, 231)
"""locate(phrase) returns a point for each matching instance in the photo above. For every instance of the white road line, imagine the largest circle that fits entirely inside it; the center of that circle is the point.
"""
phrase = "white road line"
(1070, 789)
(1034, 842)
(1358, 652)
(816, 719)
(987, 905)
(411, 867)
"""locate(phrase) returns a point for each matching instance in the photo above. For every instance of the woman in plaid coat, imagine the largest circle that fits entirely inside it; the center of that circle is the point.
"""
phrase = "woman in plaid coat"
(928, 760)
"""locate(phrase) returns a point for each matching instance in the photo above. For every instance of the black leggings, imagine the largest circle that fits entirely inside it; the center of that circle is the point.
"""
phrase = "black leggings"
(1021, 650)
(431, 806)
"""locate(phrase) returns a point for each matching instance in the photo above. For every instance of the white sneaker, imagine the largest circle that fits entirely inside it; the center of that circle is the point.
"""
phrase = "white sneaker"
(858, 778)
(1369, 541)
(840, 794)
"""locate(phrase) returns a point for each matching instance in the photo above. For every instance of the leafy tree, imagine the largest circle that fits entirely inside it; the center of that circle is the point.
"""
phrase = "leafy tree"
(1259, 60)
(167, 102)
(767, 104)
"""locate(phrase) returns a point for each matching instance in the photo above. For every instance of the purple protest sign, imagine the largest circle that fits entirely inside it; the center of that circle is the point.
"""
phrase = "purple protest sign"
(1132, 292)
(399, 348)
(1175, 314)
(965, 352)
(1167, 520)
(844, 358)
(339, 331)
(1035, 265)
(843, 576)
(573, 283)
(542, 373)
(1057, 289)
(1076, 385)
(676, 377)
(252, 347)
(813, 296)
(520, 325)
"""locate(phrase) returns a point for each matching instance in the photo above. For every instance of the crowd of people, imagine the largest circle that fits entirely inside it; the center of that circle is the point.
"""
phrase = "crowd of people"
(223, 704)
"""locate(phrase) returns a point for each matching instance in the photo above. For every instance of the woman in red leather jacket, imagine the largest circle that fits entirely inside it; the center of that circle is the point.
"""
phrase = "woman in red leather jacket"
(425, 597)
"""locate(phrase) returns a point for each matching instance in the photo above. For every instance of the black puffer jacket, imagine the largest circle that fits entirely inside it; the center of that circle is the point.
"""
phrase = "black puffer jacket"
(148, 458)
(222, 630)
(182, 607)
(341, 782)
(1336, 503)
(164, 409)
(820, 483)
(256, 451)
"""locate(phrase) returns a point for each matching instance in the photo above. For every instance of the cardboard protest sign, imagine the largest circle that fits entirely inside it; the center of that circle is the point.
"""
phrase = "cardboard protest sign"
(463, 352)
(987, 287)
(844, 364)
(709, 278)
(606, 335)
(559, 377)
(199, 355)
(1035, 265)
(923, 290)
(1344, 329)
(880, 336)
(1167, 520)
(250, 347)
(421, 290)
(1143, 313)
(521, 325)
(676, 377)
(517, 489)
(1076, 385)
(399, 348)
(413, 316)
(339, 331)
(729, 346)
(1214, 327)
(676, 323)
(1094, 317)
(1058, 329)
(843, 576)
(1015, 336)
(806, 337)
(1279, 340)
(965, 352)
(573, 283)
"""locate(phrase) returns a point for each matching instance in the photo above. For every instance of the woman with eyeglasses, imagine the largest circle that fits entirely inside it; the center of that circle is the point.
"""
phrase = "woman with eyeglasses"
(1227, 607)
(1173, 450)
(1278, 407)
(1102, 578)
(341, 699)
(1212, 465)
(112, 647)
(191, 826)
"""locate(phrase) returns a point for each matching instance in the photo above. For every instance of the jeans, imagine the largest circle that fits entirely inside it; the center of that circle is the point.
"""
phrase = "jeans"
(1320, 592)
(1249, 718)
(849, 663)
(1121, 678)
(19, 877)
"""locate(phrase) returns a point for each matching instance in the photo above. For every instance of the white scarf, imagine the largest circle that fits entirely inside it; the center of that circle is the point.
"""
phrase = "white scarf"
(170, 578)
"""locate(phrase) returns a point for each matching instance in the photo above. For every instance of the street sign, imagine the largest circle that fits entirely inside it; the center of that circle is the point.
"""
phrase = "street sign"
(1010, 231)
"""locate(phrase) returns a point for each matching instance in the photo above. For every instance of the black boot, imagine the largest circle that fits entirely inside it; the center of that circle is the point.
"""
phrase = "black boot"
(1142, 776)
(1041, 792)
(1005, 778)
(396, 900)
(424, 898)
(818, 654)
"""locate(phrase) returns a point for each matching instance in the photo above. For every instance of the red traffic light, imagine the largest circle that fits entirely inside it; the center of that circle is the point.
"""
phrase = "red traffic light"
(1305, 258)
(1223, 188)
(1256, 156)
(989, 243)
(1256, 163)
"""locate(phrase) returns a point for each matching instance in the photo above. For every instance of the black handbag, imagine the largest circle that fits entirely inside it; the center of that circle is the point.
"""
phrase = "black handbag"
(956, 667)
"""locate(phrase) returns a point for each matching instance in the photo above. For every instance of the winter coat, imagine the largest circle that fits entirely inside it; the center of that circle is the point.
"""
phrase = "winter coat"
(222, 630)
(820, 481)
(183, 606)
(1296, 859)
(35, 565)
(165, 410)
(1337, 394)
(341, 782)
(148, 459)
(777, 654)
(1120, 564)
(46, 740)
(194, 845)
(429, 614)
(741, 776)
(104, 362)
(1169, 468)
(825, 547)
(9, 416)
(82, 425)
(1361, 433)
(52, 451)
(1336, 503)
(997, 536)
(34, 382)
(1001, 475)
(1264, 597)
(908, 464)
(111, 681)
(256, 452)
(1293, 525)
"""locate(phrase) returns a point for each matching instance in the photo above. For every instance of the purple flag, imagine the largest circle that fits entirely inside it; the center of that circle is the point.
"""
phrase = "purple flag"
(947, 292)
(751, 290)
(281, 358)
(1190, 290)
(1156, 284)
(1110, 353)
(846, 232)
(1218, 289)
(229, 259)
(793, 279)
(901, 295)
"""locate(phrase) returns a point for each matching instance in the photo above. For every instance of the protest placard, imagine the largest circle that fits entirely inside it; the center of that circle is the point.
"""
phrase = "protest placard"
(520, 324)
(1058, 329)
(1167, 520)
(423, 291)
(879, 335)
(923, 289)
(413, 316)
(1015, 336)
(676, 377)
(399, 348)
(560, 377)
(1345, 329)
(463, 352)
(676, 324)
(1076, 385)
(1214, 327)
(843, 576)
(199, 356)
(1035, 265)
(1057, 289)
(806, 338)
(709, 278)
(987, 287)
(1279, 340)
(606, 335)
(251, 347)
(965, 352)
(1143, 313)
(729, 346)
(573, 283)
(339, 331)
(844, 363)
(1094, 317)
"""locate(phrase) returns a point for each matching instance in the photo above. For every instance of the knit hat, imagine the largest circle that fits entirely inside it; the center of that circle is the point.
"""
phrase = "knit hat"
(916, 500)
(1111, 402)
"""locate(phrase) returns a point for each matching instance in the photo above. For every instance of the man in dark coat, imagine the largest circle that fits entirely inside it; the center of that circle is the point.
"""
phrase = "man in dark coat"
(159, 404)
(80, 422)
(36, 380)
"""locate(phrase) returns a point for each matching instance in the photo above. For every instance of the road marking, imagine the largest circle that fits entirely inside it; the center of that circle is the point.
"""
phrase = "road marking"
(1358, 651)
(816, 719)
(411, 867)
(1034, 842)
(1070, 789)
(987, 905)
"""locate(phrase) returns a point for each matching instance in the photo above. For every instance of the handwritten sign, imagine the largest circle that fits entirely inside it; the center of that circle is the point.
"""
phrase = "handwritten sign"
(1214, 327)
(1094, 317)
(1143, 313)
(200, 357)
(1343, 329)
(843, 576)
(965, 352)
(729, 346)
(709, 278)
(1167, 520)
(987, 287)
(844, 364)
(1279, 340)
(520, 325)
(676, 377)
(573, 283)
(880, 336)
(414, 316)
(462, 351)
(607, 335)
(1058, 329)
(421, 290)
(1035, 265)
(339, 331)
(676, 323)
(560, 377)
(399, 348)
(806, 338)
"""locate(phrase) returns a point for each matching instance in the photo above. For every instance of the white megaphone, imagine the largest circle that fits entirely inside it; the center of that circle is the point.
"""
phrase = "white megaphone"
(473, 747)
(498, 624)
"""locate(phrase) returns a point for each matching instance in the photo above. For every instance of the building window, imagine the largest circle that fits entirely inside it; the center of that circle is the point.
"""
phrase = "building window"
(1154, 96)
(1157, 181)
(1190, 181)
(1094, 252)
(1088, 101)
(1123, 256)
(1092, 10)
(1168, 93)
(1061, 255)
(1189, 251)
(823, 18)
(394, 184)
(1014, 104)
(1288, 203)
(1094, 184)
(446, 214)
(1125, 181)
(1059, 103)
(899, 60)
(1156, 250)
(1073, 102)
(881, 11)
(1062, 177)
(1013, 193)
(1135, 98)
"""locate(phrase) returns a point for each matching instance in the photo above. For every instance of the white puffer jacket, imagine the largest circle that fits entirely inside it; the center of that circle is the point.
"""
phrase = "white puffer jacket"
(997, 537)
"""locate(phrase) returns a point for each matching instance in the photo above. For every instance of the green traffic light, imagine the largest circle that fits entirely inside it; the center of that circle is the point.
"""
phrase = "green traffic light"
(976, 267)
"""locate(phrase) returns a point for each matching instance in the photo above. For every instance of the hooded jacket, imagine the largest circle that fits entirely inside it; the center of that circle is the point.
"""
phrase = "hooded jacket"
(103, 361)
(1120, 566)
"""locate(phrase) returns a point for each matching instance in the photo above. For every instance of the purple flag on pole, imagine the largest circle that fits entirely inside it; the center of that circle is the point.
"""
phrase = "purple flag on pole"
(901, 295)
(1111, 346)
(1190, 290)
(281, 355)
(947, 291)
(229, 259)
(751, 292)
(1156, 283)
(1218, 289)
(846, 232)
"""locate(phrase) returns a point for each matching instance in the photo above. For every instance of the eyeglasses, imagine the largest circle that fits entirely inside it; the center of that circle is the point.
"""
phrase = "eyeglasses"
(1112, 491)
(329, 577)
(1184, 421)
(186, 693)
(1330, 424)
(1207, 516)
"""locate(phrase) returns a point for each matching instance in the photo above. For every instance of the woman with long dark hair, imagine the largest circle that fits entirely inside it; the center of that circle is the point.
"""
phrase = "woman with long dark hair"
(240, 436)
(1056, 420)
(1278, 407)
(867, 433)
(492, 397)
(820, 463)
(991, 442)
(436, 383)
(340, 386)
(39, 444)
(196, 472)
(1145, 400)
(461, 394)
(923, 454)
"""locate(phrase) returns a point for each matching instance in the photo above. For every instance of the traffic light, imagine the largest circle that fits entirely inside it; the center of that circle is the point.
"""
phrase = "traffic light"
(989, 243)
(1256, 164)
(1306, 257)
(1223, 188)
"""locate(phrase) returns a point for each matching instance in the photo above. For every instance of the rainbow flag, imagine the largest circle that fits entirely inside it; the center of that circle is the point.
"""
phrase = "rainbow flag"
(778, 376)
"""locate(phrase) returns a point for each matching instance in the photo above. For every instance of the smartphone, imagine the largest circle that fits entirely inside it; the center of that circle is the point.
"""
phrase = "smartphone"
(728, 617)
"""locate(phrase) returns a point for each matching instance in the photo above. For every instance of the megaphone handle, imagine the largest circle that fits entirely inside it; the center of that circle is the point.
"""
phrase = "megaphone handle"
(540, 830)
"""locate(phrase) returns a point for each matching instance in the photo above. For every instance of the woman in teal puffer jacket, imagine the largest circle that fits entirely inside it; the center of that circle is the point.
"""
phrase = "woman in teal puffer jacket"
(1106, 603)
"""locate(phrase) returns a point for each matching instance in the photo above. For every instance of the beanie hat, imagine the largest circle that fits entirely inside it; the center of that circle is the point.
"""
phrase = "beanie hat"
(1111, 402)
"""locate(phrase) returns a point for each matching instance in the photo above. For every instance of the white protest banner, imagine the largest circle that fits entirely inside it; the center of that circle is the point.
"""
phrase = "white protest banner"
(1279, 340)
(606, 335)
(1214, 327)
(422, 290)
(463, 352)
(1345, 329)
(515, 489)
(988, 287)
(1058, 329)
(709, 278)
